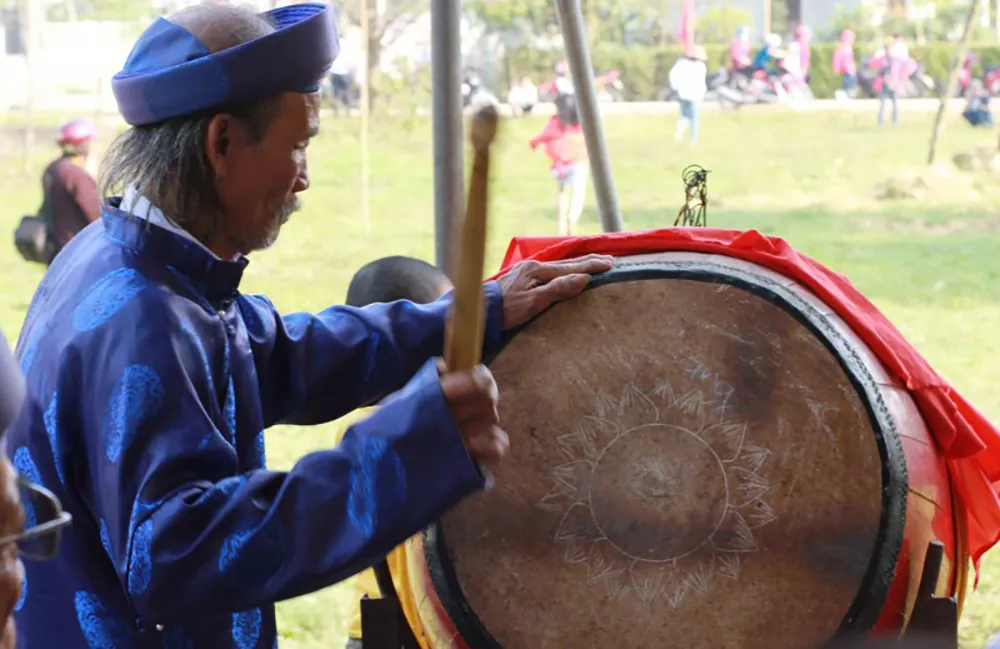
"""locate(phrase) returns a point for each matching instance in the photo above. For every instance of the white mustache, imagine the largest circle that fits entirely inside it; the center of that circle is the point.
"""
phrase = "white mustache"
(291, 206)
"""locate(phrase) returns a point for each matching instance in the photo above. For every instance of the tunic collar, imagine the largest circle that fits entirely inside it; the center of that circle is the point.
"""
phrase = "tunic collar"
(146, 235)
(138, 205)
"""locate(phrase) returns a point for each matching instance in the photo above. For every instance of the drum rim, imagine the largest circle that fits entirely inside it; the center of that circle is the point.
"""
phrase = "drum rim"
(867, 606)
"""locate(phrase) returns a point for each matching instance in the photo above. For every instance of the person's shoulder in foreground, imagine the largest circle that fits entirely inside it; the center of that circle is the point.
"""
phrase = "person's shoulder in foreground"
(35, 519)
(11, 401)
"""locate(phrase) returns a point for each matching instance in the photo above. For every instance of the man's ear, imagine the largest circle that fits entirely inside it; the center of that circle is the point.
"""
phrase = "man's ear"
(219, 141)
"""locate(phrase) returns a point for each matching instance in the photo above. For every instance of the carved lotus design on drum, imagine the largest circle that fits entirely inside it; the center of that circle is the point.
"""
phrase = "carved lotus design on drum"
(659, 495)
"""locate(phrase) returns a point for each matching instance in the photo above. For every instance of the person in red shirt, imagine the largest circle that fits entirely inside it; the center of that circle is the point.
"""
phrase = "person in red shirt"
(565, 146)
(70, 192)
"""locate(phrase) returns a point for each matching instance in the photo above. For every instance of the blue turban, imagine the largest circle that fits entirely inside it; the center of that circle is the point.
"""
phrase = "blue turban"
(170, 73)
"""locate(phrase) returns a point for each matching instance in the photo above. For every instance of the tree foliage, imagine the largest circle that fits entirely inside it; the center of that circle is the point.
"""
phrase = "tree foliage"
(534, 16)
(388, 24)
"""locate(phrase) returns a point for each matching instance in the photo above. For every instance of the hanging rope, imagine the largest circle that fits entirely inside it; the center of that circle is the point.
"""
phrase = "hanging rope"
(695, 209)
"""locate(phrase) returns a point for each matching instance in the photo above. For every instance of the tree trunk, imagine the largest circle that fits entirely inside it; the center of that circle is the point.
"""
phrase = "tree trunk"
(949, 91)
(373, 43)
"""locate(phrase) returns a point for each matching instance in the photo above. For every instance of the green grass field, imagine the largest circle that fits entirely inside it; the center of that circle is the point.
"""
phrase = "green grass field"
(932, 265)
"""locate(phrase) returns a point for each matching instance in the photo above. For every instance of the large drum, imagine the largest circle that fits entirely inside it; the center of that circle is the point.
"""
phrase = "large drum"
(702, 455)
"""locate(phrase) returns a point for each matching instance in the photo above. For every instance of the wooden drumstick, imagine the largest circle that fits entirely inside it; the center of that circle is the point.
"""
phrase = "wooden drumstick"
(464, 330)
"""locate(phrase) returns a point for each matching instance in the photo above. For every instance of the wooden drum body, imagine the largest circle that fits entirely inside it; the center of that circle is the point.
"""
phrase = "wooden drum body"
(702, 455)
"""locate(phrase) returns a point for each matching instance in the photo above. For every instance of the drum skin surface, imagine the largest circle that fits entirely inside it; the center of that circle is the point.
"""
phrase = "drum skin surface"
(702, 455)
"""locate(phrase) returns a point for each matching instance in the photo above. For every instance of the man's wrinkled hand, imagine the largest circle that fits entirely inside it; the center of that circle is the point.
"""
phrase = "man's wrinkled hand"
(473, 398)
(531, 286)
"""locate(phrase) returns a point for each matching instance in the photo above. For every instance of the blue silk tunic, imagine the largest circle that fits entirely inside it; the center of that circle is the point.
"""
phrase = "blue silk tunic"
(151, 380)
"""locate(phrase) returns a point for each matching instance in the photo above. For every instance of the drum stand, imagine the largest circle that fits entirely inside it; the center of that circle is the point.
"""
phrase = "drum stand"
(383, 624)
(934, 619)
(933, 623)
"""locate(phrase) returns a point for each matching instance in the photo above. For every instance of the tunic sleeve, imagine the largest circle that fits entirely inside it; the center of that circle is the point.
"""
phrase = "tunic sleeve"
(314, 368)
(190, 536)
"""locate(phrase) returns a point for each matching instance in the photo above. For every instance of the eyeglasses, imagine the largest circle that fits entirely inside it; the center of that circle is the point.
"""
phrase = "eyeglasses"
(44, 520)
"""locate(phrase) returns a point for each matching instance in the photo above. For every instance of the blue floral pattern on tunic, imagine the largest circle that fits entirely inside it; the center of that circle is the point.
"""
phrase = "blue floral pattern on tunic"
(229, 411)
(257, 458)
(51, 419)
(231, 548)
(136, 397)
(99, 628)
(27, 469)
(253, 556)
(140, 510)
(378, 470)
(106, 297)
(246, 628)
(106, 540)
(140, 572)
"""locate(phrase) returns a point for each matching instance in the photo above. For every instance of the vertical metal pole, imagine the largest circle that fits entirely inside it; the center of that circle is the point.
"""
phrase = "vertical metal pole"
(574, 33)
(32, 15)
(366, 199)
(446, 90)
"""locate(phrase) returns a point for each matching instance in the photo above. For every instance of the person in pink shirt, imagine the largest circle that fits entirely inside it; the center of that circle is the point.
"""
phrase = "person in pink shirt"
(895, 71)
(803, 36)
(844, 63)
(739, 50)
(566, 148)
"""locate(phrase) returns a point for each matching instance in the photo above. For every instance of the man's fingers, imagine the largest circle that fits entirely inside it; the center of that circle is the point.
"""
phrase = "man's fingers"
(489, 445)
(589, 264)
(561, 288)
(485, 382)
(472, 396)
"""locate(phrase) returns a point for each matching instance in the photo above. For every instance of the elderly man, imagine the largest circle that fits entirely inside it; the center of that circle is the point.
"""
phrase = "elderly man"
(154, 377)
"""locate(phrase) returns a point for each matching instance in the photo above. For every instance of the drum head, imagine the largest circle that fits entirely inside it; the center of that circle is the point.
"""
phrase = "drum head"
(693, 464)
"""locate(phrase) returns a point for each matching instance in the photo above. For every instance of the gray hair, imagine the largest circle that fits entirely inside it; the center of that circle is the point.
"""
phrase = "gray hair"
(166, 161)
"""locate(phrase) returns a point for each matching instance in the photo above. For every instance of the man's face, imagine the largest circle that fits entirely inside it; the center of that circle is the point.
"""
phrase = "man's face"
(259, 186)
(11, 570)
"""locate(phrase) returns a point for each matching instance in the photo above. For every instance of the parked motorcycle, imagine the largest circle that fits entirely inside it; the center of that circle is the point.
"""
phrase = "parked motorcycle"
(918, 82)
(759, 87)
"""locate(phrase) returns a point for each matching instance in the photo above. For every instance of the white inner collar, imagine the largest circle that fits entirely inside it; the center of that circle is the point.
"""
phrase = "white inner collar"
(140, 207)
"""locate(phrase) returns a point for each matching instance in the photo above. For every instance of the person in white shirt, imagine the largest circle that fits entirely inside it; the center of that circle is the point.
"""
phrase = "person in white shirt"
(687, 78)
(523, 96)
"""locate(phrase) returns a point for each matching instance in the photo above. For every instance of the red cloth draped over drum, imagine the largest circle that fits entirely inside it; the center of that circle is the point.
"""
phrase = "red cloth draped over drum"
(967, 439)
